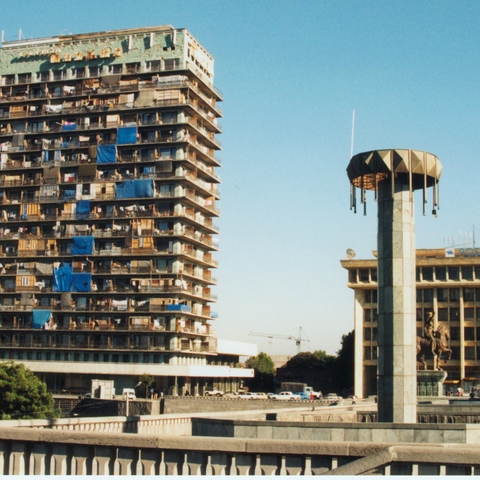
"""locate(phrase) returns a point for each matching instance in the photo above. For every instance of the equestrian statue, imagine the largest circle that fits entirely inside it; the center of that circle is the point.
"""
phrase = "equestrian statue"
(434, 342)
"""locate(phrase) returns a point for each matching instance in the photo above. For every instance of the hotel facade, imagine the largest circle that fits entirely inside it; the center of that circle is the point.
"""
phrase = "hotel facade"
(108, 202)
(448, 284)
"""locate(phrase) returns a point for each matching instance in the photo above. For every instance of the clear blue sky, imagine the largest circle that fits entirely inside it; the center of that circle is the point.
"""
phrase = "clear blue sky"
(292, 72)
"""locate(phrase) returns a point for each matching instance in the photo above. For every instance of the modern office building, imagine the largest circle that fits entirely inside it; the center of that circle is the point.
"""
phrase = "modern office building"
(108, 201)
(448, 284)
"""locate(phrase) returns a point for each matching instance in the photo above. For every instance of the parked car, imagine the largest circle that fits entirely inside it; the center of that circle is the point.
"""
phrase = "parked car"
(231, 395)
(332, 396)
(246, 395)
(285, 396)
(214, 393)
(303, 395)
(260, 395)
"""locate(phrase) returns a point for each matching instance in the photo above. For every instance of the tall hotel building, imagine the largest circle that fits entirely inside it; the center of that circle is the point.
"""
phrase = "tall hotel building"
(448, 284)
(108, 201)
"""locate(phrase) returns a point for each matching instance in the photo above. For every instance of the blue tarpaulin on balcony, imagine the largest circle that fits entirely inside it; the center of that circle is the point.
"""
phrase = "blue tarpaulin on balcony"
(69, 127)
(144, 188)
(40, 318)
(106, 154)
(81, 282)
(83, 209)
(125, 189)
(83, 245)
(127, 135)
(179, 308)
(147, 170)
(62, 278)
(68, 194)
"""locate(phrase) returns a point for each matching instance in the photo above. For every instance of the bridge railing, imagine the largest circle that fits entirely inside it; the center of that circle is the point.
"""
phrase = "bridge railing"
(26, 451)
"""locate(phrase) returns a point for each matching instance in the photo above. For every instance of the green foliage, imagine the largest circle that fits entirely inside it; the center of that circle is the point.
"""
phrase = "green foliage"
(334, 372)
(309, 360)
(262, 363)
(264, 379)
(22, 394)
(147, 379)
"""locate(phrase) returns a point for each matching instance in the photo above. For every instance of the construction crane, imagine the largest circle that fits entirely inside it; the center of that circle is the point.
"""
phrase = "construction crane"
(298, 340)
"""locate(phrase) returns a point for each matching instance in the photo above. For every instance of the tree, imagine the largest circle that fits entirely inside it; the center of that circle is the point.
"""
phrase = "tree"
(345, 359)
(309, 360)
(264, 376)
(263, 363)
(147, 381)
(22, 394)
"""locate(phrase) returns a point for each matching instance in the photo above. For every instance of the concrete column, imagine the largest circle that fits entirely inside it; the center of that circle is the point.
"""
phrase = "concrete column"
(397, 400)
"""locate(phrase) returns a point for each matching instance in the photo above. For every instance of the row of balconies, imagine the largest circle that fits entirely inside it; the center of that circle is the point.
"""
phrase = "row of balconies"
(105, 345)
(109, 233)
(90, 90)
(81, 128)
(192, 254)
(205, 222)
(45, 111)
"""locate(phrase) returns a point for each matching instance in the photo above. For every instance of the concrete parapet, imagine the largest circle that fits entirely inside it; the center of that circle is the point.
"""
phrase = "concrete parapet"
(46, 452)
(388, 433)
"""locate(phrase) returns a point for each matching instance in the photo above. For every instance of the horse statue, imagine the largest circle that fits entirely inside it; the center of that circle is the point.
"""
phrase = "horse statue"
(436, 343)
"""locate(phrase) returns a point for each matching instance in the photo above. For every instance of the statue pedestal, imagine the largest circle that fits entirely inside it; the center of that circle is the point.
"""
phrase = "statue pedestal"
(430, 383)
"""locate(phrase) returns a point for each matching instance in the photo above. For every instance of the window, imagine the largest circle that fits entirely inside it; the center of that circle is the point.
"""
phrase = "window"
(374, 296)
(453, 273)
(469, 294)
(373, 273)
(454, 314)
(469, 313)
(172, 63)
(467, 273)
(368, 296)
(352, 274)
(374, 334)
(374, 353)
(153, 66)
(442, 294)
(469, 333)
(419, 295)
(455, 333)
(454, 294)
(417, 274)
(364, 275)
(367, 334)
(94, 71)
(419, 315)
(169, 117)
(469, 353)
(86, 189)
(443, 314)
(427, 273)
(115, 69)
(428, 295)
(367, 353)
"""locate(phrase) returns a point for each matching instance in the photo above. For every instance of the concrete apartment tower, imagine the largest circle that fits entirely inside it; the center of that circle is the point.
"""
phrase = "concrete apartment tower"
(108, 201)
(393, 175)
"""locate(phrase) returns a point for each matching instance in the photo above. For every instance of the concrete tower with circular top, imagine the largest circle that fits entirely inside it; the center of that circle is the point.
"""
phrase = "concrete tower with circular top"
(393, 175)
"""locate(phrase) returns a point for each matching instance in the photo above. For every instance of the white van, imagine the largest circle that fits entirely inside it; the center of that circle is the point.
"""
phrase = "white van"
(129, 393)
